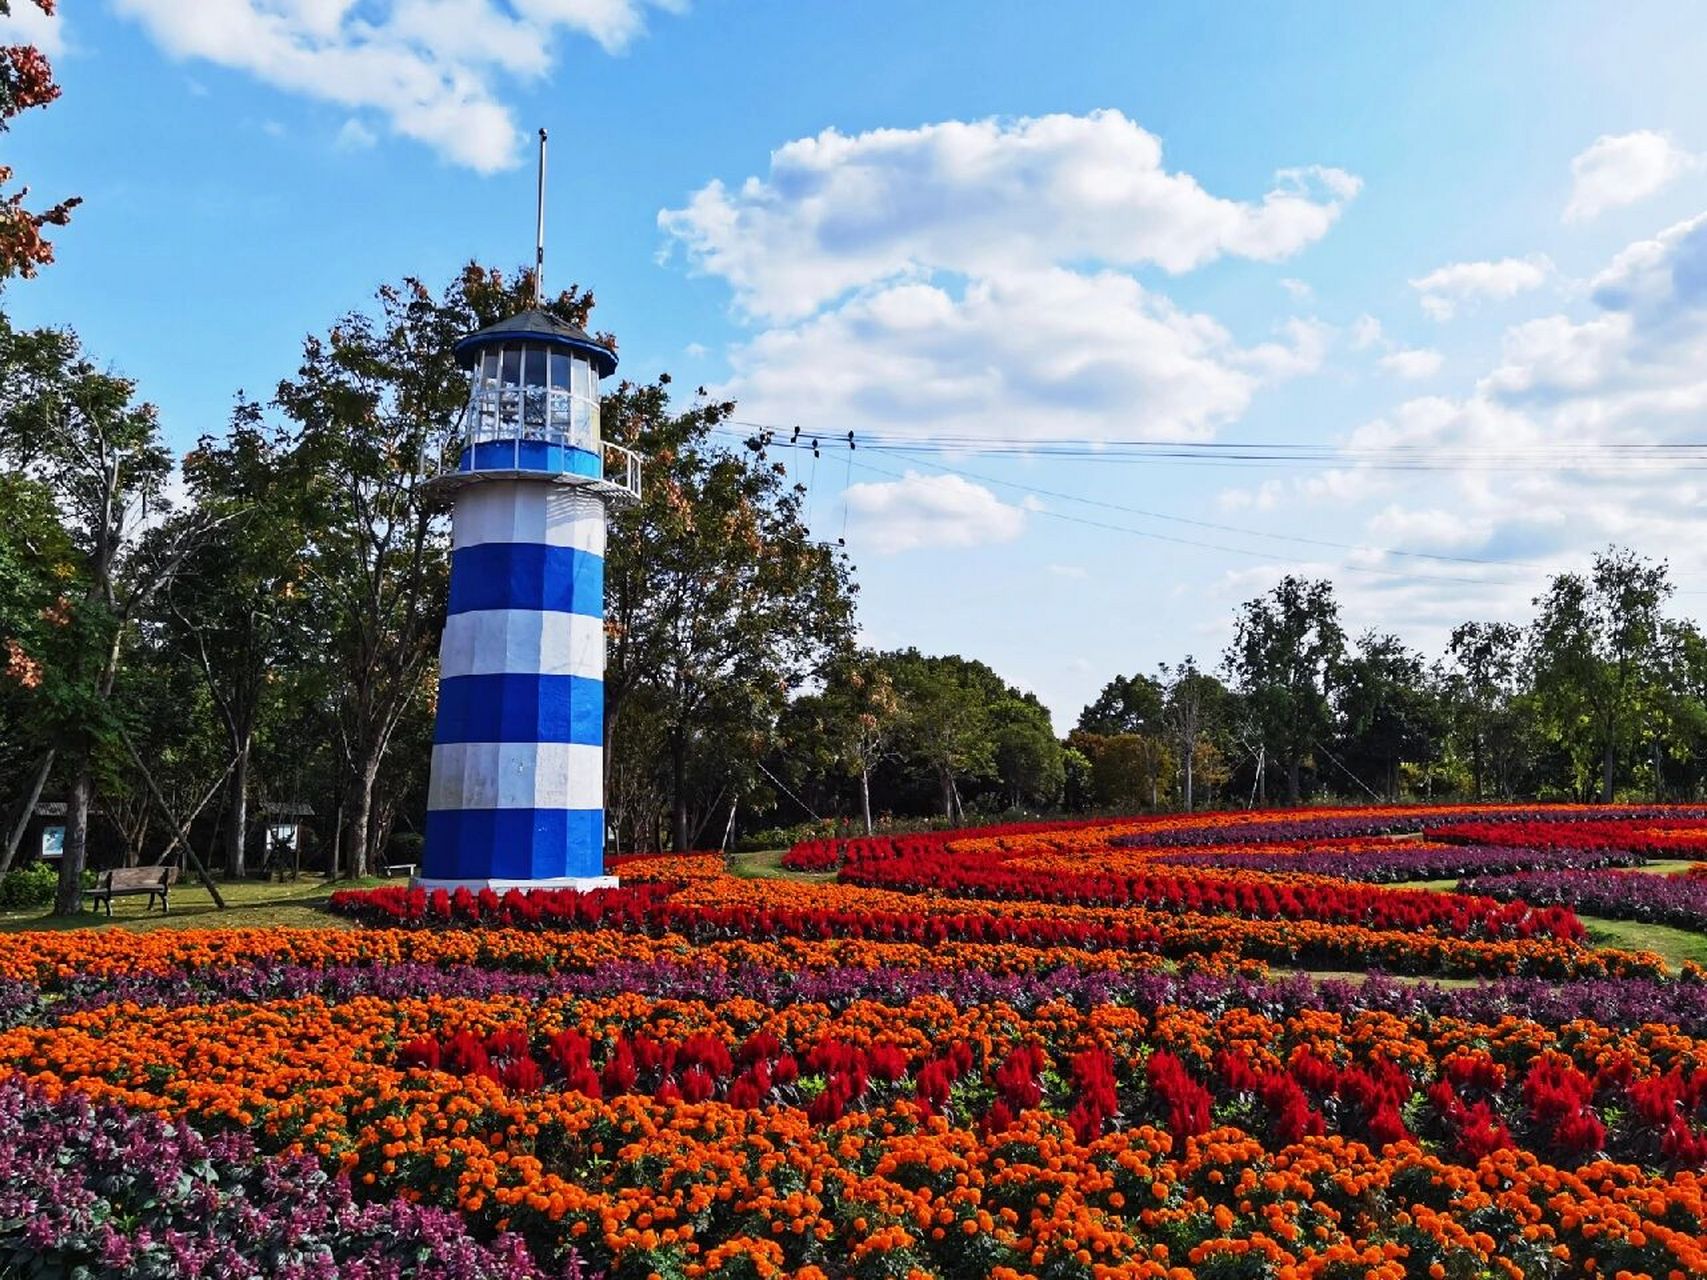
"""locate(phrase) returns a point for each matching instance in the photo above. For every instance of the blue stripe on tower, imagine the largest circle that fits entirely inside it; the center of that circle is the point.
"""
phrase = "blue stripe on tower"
(514, 844)
(526, 575)
(521, 706)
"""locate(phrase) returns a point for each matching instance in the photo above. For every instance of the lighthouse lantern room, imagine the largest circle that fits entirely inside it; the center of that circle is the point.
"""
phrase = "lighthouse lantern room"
(516, 798)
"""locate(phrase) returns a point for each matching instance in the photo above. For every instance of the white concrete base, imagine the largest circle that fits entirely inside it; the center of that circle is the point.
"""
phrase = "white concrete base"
(580, 883)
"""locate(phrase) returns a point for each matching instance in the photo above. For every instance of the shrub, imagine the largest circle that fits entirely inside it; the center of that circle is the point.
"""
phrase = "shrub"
(24, 888)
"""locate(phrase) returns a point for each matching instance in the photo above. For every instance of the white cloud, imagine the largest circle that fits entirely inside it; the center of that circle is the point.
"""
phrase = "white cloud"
(355, 136)
(839, 212)
(1298, 290)
(27, 24)
(1536, 479)
(1074, 572)
(696, 351)
(1412, 362)
(1050, 354)
(1620, 169)
(435, 70)
(1444, 289)
(1366, 333)
(930, 511)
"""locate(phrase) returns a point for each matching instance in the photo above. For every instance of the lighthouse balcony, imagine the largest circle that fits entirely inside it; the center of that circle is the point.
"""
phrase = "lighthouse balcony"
(608, 470)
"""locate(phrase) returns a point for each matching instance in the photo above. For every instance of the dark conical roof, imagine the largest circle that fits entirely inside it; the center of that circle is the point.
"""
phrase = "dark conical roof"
(536, 325)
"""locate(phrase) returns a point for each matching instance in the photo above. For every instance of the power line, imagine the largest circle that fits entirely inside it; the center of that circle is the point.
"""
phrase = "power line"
(912, 451)
(1553, 456)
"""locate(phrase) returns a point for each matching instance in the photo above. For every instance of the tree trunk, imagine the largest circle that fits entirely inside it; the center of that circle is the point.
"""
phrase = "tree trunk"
(865, 796)
(68, 901)
(678, 792)
(1476, 762)
(237, 832)
(1190, 752)
(1294, 780)
(1607, 764)
(356, 851)
(32, 797)
(947, 784)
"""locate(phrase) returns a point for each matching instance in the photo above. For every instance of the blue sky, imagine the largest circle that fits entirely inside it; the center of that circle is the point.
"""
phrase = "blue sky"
(1466, 230)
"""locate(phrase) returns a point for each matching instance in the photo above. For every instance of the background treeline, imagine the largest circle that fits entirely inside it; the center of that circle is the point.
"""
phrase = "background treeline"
(193, 643)
(1599, 697)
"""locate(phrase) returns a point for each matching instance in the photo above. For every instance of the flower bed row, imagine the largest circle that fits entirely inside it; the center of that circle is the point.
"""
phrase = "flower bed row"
(1654, 837)
(1679, 900)
(1393, 863)
(1249, 895)
(768, 912)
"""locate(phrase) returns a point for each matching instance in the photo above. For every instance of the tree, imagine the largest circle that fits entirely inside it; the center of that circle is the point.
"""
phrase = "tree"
(1128, 770)
(26, 80)
(236, 609)
(38, 565)
(374, 405)
(948, 728)
(859, 719)
(1593, 649)
(1127, 704)
(1028, 755)
(82, 433)
(1482, 682)
(1194, 703)
(718, 601)
(1388, 710)
(1285, 648)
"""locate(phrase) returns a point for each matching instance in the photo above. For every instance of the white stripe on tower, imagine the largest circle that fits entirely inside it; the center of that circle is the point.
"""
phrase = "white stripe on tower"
(488, 641)
(516, 775)
(527, 511)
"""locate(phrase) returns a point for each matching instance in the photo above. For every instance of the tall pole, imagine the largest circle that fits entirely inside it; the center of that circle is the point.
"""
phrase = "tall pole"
(539, 232)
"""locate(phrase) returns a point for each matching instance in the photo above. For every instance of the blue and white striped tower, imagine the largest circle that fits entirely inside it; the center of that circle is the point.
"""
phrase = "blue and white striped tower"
(517, 792)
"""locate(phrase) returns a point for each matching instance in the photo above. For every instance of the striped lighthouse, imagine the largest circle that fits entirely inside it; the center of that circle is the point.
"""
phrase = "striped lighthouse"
(517, 792)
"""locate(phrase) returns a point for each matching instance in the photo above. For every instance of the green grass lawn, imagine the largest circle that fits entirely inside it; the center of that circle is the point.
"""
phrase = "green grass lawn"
(249, 904)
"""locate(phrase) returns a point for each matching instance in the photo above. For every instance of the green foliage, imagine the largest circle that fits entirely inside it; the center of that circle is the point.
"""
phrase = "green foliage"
(28, 888)
(1286, 648)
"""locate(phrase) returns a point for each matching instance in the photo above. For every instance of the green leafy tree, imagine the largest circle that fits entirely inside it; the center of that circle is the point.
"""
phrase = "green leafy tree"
(1483, 669)
(1594, 649)
(38, 568)
(238, 610)
(719, 603)
(948, 727)
(82, 433)
(1389, 710)
(1127, 704)
(1285, 648)
(374, 405)
(1195, 706)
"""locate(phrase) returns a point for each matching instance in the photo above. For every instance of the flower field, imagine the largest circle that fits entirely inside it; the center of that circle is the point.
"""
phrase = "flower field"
(1219, 1045)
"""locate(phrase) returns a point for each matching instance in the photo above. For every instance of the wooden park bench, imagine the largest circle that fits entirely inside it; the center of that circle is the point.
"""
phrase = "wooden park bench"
(121, 882)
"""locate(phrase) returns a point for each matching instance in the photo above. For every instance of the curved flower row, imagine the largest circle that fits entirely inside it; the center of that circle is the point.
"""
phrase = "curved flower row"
(1679, 900)
(761, 911)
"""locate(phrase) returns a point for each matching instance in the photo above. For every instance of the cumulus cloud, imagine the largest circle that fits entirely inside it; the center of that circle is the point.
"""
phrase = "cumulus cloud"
(1620, 169)
(1052, 354)
(930, 511)
(1544, 471)
(29, 25)
(1444, 289)
(1412, 362)
(839, 212)
(434, 70)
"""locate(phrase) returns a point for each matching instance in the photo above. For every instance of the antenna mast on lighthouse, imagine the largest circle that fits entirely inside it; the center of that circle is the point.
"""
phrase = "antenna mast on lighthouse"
(539, 232)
